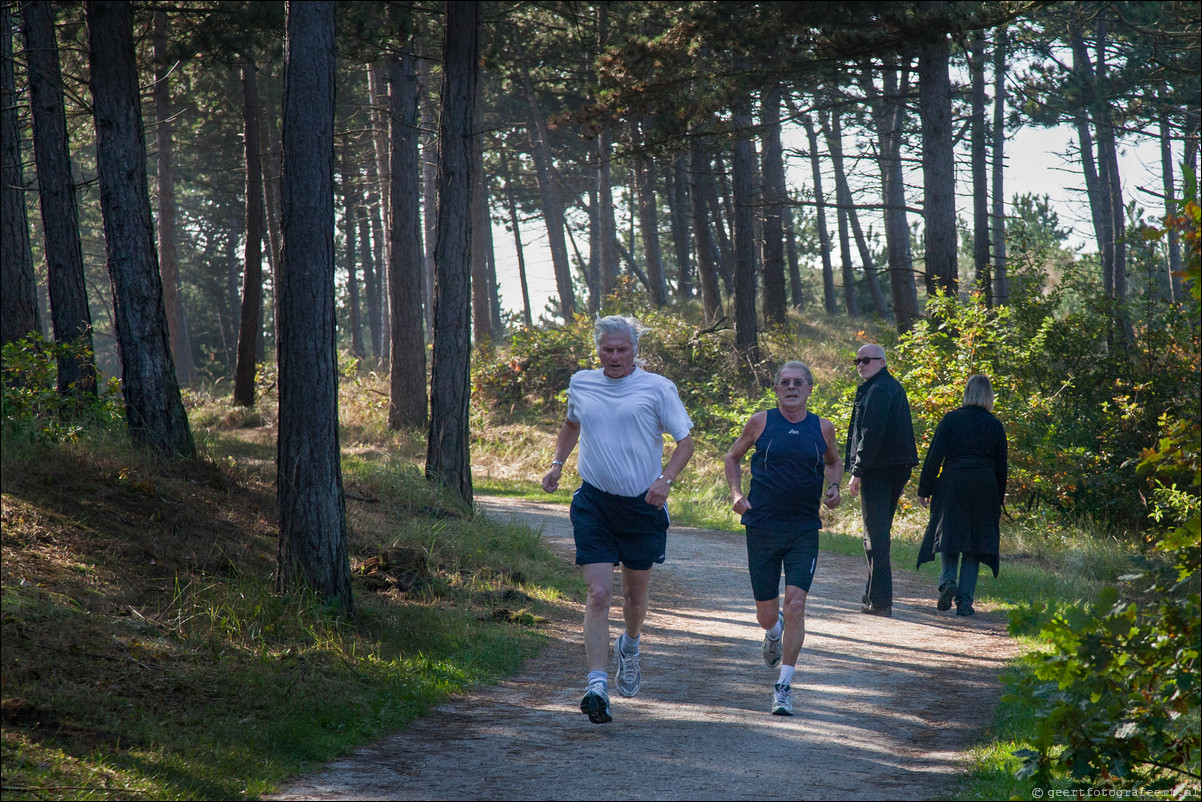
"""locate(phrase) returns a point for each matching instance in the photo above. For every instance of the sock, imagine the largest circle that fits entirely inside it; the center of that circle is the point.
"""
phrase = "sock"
(629, 645)
(786, 675)
(598, 676)
(776, 631)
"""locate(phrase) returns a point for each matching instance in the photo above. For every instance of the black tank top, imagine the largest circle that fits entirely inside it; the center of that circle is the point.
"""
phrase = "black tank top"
(787, 472)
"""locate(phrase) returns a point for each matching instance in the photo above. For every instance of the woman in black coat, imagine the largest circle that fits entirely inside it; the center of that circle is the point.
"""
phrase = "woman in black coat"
(964, 482)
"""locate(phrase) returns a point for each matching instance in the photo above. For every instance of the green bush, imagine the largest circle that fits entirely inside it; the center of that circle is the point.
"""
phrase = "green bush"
(31, 400)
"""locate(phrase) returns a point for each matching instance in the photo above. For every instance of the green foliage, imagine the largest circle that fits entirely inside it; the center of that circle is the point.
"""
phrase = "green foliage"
(31, 401)
(1118, 694)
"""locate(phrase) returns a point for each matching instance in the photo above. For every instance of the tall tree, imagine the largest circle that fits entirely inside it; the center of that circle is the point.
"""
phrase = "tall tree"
(407, 399)
(773, 190)
(448, 459)
(552, 204)
(644, 179)
(19, 302)
(708, 256)
(1001, 276)
(312, 548)
(181, 346)
(515, 223)
(888, 111)
(746, 333)
(938, 155)
(252, 272)
(69, 311)
(824, 237)
(980, 170)
(678, 205)
(154, 408)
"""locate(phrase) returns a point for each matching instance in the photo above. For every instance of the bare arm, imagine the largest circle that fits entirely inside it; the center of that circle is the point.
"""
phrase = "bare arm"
(569, 433)
(833, 472)
(734, 458)
(657, 494)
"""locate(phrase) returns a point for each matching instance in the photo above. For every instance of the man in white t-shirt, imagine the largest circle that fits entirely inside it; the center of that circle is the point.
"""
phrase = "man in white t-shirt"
(619, 415)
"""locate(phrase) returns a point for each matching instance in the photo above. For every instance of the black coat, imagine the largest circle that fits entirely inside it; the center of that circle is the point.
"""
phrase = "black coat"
(880, 433)
(964, 475)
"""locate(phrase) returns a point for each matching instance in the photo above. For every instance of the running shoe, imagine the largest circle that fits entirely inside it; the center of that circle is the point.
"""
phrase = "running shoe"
(774, 650)
(782, 700)
(595, 704)
(629, 676)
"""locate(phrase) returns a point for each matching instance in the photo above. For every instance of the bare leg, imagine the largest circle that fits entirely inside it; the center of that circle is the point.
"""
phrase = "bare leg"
(635, 585)
(599, 578)
(795, 624)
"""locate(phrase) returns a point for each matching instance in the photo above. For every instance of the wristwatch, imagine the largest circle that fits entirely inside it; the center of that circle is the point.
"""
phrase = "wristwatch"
(667, 481)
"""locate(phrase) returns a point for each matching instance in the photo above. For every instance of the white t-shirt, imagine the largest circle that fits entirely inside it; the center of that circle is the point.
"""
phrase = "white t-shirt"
(622, 423)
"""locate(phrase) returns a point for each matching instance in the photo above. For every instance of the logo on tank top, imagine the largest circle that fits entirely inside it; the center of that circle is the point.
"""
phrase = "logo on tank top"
(794, 431)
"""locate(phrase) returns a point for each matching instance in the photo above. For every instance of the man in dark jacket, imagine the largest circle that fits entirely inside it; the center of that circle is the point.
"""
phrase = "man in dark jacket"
(880, 455)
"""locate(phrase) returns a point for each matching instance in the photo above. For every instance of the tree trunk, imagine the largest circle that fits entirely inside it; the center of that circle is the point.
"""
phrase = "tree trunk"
(824, 237)
(707, 249)
(1108, 163)
(773, 189)
(938, 159)
(1099, 200)
(349, 206)
(1173, 279)
(252, 274)
(19, 302)
(312, 548)
(980, 171)
(889, 113)
(552, 208)
(511, 200)
(746, 334)
(408, 401)
(154, 408)
(1001, 276)
(371, 244)
(429, 114)
(448, 445)
(181, 348)
(797, 295)
(69, 312)
(371, 276)
(644, 173)
(678, 204)
(607, 228)
(481, 314)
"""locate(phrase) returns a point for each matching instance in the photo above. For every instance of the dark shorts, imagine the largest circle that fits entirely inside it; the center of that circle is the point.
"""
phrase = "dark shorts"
(617, 529)
(769, 549)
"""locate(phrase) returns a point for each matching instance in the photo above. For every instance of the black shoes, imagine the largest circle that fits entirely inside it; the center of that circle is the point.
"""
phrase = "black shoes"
(947, 592)
(965, 609)
(871, 609)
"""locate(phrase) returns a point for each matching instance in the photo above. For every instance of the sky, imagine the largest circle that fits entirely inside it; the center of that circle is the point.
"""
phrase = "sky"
(1036, 164)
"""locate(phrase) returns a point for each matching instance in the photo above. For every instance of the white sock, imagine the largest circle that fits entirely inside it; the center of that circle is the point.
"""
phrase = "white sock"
(629, 645)
(777, 630)
(598, 676)
(786, 675)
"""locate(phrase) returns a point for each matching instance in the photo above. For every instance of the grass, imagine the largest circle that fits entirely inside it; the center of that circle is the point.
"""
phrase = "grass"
(147, 654)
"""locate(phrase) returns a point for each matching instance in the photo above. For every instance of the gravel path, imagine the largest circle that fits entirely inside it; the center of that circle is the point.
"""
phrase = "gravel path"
(884, 706)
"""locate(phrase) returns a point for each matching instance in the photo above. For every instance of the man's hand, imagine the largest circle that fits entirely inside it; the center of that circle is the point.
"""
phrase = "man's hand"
(832, 497)
(924, 501)
(657, 494)
(551, 480)
(740, 504)
(854, 486)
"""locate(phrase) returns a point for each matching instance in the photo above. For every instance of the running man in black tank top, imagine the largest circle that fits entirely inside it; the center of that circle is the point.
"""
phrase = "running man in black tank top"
(795, 467)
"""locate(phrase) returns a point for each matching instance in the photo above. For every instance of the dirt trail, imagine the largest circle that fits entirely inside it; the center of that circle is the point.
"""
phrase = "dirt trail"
(885, 706)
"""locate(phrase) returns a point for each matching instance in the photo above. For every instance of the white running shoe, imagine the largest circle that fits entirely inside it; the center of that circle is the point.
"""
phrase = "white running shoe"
(629, 676)
(774, 650)
(782, 700)
(595, 704)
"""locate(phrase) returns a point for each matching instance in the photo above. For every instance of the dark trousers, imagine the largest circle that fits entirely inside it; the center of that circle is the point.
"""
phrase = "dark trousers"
(879, 492)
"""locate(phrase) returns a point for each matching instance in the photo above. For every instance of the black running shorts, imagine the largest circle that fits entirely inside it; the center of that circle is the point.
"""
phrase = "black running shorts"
(617, 529)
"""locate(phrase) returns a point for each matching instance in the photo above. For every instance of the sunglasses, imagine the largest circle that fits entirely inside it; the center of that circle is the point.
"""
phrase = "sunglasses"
(864, 360)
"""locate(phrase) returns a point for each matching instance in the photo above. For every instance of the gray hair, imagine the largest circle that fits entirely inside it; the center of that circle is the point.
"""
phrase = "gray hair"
(617, 324)
(795, 365)
(979, 392)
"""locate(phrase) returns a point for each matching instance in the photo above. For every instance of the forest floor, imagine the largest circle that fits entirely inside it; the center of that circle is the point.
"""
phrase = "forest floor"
(884, 707)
